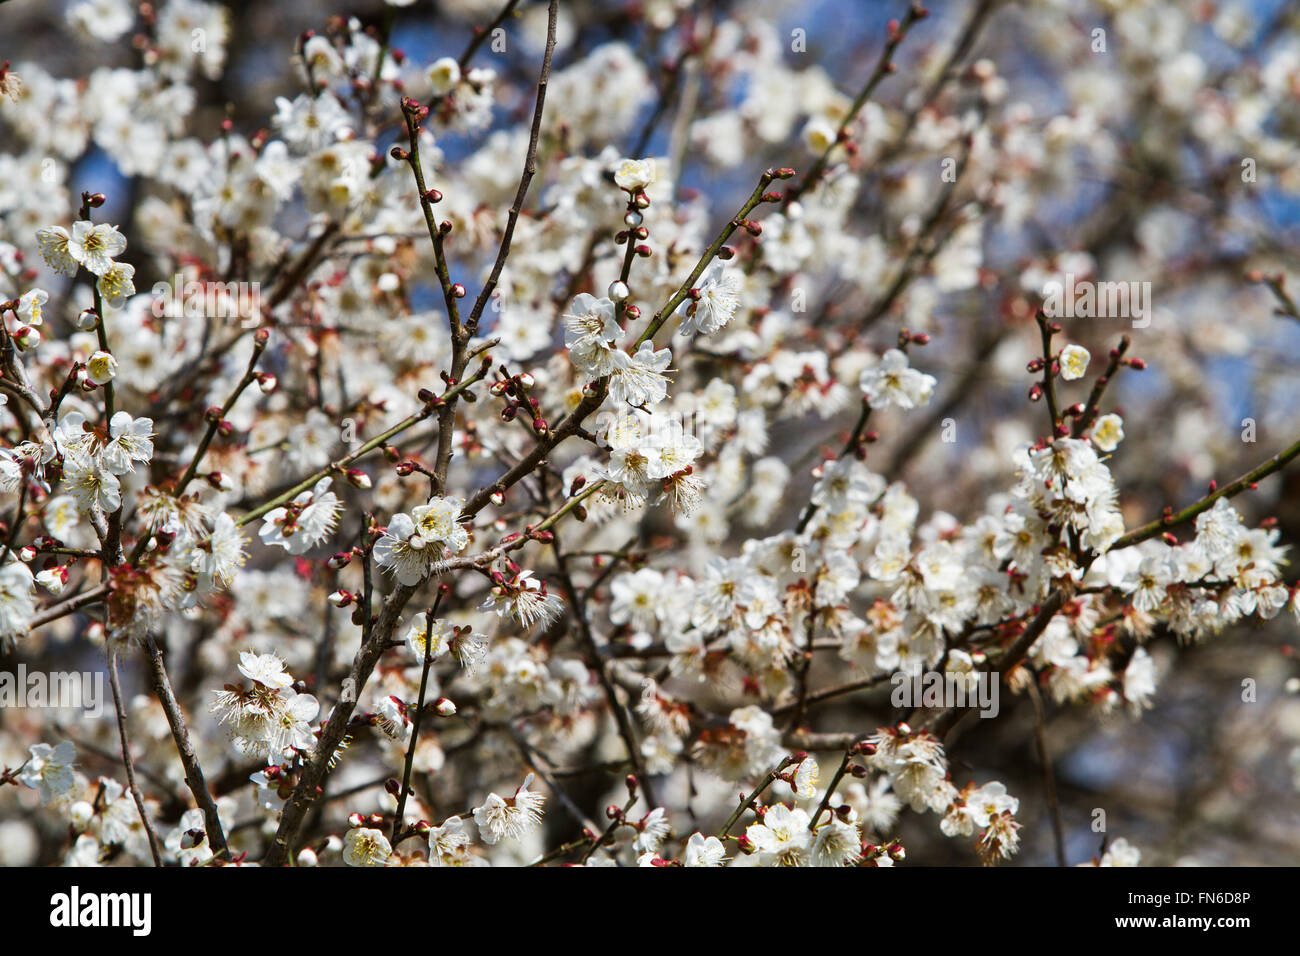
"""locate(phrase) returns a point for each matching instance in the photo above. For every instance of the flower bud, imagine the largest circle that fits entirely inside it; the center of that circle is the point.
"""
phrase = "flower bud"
(53, 579)
(307, 857)
(87, 319)
(358, 478)
(27, 338)
(341, 598)
(340, 560)
(445, 707)
(81, 813)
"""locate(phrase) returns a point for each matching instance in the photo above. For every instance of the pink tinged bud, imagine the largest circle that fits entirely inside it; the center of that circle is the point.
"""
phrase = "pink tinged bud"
(458, 290)
(497, 498)
(525, 380)
(358, 478)
(266, 383)
(219, 480)
(356, 820)
(445, 707)
(27, 338)
(341, 560)
(341, 598)
(27, 554)
(393, 786)
(192, 838)
(745, 844)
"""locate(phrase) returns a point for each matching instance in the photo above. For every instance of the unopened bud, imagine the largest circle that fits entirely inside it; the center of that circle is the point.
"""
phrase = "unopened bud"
(27, 338)
(341, 598)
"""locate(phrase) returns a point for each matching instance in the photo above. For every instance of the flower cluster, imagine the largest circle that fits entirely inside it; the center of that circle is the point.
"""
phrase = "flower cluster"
(501, 422)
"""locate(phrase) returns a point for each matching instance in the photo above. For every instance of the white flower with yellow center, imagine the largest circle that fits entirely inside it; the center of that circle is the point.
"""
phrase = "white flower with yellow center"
(1108, 432)
(634, 174)
(53, 242)
(95, 246)
(1074, 362)
(101, 368)
(366, 847)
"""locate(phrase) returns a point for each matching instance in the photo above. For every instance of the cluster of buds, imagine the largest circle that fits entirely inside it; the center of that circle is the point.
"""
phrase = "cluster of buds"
(873, 853)
(514, 389)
